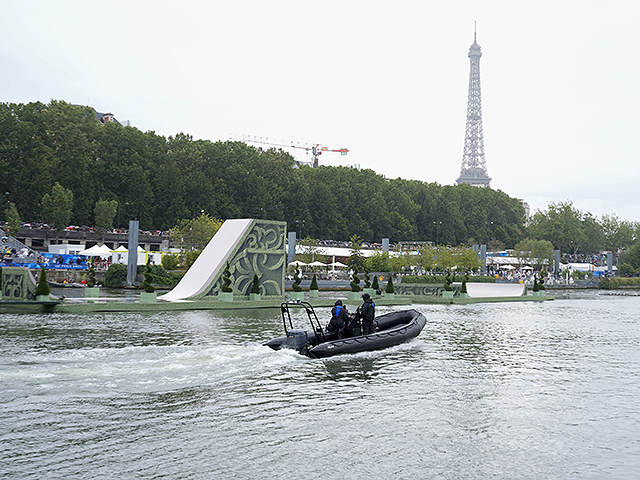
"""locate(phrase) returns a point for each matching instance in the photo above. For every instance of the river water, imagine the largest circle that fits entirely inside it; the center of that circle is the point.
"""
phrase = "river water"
(511, 391)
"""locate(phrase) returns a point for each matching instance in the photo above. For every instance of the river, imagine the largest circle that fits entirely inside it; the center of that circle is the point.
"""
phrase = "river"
(511, 391)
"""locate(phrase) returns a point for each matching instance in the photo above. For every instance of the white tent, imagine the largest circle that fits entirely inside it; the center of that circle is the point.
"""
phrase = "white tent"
(338, 264)
(96, 251)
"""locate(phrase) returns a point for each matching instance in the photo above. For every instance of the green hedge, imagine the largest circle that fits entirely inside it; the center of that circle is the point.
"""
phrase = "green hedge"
(441, 278)
(621, 282)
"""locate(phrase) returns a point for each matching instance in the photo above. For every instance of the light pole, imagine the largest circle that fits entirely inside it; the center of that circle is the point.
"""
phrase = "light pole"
(489, 235)
(437, 224)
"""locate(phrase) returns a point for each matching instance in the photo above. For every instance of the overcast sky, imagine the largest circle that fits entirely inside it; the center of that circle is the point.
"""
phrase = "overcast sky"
(388, 80)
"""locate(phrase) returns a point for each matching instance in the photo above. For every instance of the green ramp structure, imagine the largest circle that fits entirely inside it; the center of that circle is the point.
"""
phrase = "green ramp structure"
(250, 247)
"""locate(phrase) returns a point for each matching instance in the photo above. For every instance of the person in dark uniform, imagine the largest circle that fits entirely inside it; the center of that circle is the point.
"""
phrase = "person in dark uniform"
(340, 318)
(368, 313)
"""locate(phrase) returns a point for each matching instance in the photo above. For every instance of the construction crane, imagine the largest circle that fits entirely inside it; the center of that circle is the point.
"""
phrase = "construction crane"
(315, 148)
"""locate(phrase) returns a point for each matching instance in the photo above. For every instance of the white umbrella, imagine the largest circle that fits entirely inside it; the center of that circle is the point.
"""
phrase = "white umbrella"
(297, 263)
(317, 264)
(527, 267)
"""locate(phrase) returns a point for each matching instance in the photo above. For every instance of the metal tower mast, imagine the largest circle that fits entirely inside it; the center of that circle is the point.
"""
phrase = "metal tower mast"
(474, 167)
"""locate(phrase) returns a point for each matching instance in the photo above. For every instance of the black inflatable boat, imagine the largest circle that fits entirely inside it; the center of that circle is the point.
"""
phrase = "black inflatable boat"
(391, 329)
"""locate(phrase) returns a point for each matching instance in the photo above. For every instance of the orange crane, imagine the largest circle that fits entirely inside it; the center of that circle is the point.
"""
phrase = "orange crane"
(315, 148)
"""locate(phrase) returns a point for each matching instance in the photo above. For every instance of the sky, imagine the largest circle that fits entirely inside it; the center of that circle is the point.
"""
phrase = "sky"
(387, 80)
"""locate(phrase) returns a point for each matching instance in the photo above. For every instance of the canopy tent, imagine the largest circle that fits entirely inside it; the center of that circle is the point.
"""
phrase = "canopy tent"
(338, 264)
(122, 248)
(96, 251)
(527, 267)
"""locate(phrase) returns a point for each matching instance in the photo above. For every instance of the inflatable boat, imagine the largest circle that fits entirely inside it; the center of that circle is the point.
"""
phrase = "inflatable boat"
(391, 329)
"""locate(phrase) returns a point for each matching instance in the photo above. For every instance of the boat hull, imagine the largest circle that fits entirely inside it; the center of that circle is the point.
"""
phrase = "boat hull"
(393, 329)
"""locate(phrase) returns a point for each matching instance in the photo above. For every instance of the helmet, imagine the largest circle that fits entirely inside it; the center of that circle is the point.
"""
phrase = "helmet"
(366, 296)
(338, 302)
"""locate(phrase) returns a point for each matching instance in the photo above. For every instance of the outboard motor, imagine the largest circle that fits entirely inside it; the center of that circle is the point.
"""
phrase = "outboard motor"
(296, 339)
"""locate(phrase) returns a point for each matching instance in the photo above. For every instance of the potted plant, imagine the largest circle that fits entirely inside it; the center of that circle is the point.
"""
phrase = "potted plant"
(354, 295)
(541, 287)
(448, 289)
(313, 288)
(367, 283)
(226, 295)
(149, 294)
(91, 291)
(463, 287)
(375, 286)
(297, 293)
(389, 291)
(536, 287)
(42, 289)
(254, 296)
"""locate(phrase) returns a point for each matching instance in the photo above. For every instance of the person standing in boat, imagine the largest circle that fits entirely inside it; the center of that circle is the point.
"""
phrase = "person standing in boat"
(340, 318)
(368, 312)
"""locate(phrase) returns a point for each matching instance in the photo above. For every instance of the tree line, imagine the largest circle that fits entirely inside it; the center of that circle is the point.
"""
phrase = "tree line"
(161, 181)
(58, 154)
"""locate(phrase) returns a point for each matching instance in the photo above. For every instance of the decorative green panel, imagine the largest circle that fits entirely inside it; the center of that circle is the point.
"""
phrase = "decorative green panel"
(423, 289)
(17, 284)
(261, 251)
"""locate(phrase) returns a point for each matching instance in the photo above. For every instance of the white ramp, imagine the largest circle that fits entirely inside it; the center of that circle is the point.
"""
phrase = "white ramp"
(210, 261)
(481, 290)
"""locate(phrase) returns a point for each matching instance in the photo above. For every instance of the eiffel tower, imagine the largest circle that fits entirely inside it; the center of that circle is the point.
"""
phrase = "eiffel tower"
(474, 167)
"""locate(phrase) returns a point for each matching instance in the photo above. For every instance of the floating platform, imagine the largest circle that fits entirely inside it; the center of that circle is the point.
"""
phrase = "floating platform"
(116, 304)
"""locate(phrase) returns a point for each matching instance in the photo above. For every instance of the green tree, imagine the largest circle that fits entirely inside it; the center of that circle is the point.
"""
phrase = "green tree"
(379, 262)
(12, 218)
(57, 206)
(535, 252)
(561, 224)
(356, 260)
(104, 213)
(194, 234)
(467, 259)
(618, 234)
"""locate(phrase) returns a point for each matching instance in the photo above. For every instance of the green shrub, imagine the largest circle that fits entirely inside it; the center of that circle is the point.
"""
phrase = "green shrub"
(255, 287)
(43, 286)
(92, 275)
(170, 261)
(162, 277)
(116, 276)
(226, 280)
(148, 278)
(463, 287)
(314, 283)
(375, 285)
(296, 281)
(355, 280)
(618, 282)
(389, 288)
(448, 280)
